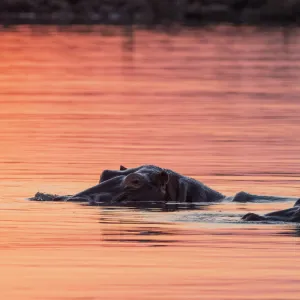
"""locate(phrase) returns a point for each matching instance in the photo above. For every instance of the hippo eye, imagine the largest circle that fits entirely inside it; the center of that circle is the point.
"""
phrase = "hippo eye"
(135, 181)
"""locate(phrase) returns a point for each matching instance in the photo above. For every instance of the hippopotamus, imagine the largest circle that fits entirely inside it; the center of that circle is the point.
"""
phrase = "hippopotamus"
(285, 215)
(183, 189)
(148, 183)
(145, 185)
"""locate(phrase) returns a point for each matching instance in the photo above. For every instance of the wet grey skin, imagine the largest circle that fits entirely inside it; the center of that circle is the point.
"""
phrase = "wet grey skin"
(135, 187)
(149, 183)
(285, 215)
(183, 189)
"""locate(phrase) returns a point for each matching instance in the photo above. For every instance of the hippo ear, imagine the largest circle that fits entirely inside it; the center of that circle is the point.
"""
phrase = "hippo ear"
(122, 168)
(173, 187)
(169, 184)
(162, 178)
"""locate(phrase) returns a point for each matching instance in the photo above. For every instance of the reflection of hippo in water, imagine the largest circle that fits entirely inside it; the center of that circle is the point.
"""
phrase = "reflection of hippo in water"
(285, 215)
(150, 183)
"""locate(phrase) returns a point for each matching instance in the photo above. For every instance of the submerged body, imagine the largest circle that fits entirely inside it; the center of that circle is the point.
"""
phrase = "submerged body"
(149, 183)
(184, 189)
(285, 215)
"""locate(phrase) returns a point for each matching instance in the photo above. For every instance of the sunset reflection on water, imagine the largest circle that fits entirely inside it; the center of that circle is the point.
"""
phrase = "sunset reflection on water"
(219, 105)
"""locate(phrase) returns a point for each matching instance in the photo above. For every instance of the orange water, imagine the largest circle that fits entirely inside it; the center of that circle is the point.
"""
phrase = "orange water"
(217, 104)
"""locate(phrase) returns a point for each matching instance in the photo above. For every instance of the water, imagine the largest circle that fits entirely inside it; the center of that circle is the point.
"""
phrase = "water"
(219, 104)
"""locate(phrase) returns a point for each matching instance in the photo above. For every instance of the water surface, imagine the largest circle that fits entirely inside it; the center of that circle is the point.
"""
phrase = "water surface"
(219, 104)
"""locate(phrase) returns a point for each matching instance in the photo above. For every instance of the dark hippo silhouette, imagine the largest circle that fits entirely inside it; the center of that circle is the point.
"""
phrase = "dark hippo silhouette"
(285, 215)
(145, 185)
(149, 183)
(183, 189)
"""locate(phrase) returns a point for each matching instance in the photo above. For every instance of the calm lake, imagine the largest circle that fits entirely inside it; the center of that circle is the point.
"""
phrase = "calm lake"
(218, 104)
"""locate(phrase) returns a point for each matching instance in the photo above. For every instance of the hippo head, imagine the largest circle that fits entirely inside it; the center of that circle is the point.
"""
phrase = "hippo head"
(142, 184)
(142, 187)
